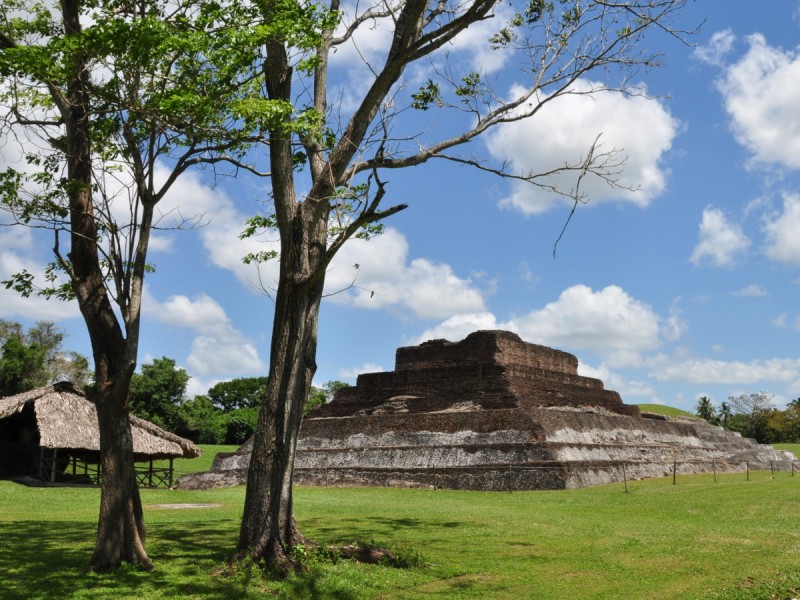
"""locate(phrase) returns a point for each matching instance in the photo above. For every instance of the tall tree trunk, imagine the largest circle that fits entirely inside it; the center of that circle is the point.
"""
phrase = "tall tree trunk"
(120, 528)
(268, 530)
(120, 531)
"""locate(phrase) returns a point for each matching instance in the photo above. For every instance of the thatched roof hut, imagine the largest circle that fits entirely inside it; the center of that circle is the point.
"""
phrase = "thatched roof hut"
(60, 420)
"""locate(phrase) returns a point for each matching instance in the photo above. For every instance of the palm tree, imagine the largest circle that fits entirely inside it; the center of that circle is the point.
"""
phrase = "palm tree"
(705, 409)
(724, 414)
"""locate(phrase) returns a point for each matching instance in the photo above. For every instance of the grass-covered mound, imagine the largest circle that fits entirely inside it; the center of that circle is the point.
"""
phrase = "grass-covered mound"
(668, 411)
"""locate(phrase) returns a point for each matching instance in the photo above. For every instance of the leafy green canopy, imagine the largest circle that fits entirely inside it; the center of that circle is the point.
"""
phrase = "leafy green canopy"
(33, 358)
(177, 84)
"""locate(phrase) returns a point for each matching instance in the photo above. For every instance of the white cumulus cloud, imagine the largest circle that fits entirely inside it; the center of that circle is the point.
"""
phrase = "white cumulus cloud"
(721, 242)
(386, 277)
(717, 48)
(783, 232)
(761, 93)
(219, 348)
(640, 128)
(608, 322)
(458, 327)
(751, 291)
(709, 371)
(350, 375)
(18, 254)
(626, 388)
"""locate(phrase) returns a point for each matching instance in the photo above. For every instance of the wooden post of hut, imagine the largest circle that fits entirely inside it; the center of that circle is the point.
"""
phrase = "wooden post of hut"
(53, 466)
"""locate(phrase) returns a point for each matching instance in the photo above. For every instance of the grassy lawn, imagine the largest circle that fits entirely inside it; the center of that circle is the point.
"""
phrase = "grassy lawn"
(697, 539)
(201, 463)
(790, 447)
(661, 409)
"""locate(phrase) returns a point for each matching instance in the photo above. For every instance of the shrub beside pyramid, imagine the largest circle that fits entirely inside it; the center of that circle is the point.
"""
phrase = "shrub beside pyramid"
(493, 412)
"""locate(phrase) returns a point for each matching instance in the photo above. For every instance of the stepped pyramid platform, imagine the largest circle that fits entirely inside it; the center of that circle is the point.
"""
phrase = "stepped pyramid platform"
(493, 412)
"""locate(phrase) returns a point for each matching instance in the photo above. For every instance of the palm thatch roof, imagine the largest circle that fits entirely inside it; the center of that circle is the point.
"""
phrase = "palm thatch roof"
(66, 418)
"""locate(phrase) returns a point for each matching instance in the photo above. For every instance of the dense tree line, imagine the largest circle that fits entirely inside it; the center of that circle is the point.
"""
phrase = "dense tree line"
(35, 357)
(226, 414)
(754, 416)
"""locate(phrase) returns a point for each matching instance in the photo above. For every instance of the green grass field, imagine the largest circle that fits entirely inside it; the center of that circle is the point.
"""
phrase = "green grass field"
(201, 463)
(790, 447)
(734, 539)
(661, 409)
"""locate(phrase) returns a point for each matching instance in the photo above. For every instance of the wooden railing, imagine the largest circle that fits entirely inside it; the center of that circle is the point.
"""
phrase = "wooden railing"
(67, 468)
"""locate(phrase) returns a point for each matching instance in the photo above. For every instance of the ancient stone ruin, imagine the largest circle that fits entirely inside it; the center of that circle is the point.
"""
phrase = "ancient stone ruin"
(493, 412)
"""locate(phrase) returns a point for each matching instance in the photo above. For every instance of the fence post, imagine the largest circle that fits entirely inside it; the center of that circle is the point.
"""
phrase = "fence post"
(509, 478)
(747, 470)
(792, 468)
(625, 477)
(772, 468)
(715, 470)
(674, 471)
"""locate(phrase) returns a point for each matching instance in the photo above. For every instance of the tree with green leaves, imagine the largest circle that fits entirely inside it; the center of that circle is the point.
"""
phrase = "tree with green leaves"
(240, 424)
(242, 392)
(751, 414)
(791, 431)
(725, 413)
(158, 391)
(101, 95)
(705, 409)
(328, 164)
(319, 396)
(35, 357)
(20, 367)
(201, 421)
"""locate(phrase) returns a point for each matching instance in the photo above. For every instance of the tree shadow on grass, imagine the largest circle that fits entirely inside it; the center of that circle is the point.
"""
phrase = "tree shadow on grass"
(374, 527)
(51, 560)
(43, 560)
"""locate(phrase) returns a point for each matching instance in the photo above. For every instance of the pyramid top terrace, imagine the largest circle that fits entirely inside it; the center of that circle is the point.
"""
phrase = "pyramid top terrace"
(486, 370)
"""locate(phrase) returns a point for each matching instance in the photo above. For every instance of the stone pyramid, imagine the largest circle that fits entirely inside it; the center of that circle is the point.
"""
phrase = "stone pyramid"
(493, 412)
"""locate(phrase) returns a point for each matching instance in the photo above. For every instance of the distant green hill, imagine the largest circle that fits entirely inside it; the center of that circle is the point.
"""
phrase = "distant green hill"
(664, 410)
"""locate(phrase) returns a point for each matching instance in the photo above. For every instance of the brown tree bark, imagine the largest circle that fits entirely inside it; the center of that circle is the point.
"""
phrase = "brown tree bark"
(120, 528)
(120, 532)
(268, 531)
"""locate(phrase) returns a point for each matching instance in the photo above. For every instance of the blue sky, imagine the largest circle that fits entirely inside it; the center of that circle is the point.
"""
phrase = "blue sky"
(685, 287)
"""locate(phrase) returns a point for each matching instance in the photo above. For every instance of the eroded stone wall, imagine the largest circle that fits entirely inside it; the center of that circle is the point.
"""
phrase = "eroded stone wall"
(493, 412)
